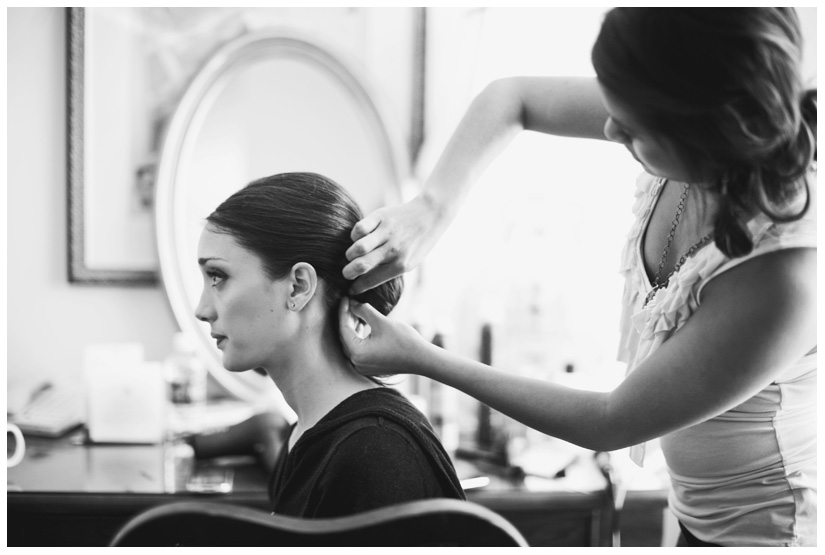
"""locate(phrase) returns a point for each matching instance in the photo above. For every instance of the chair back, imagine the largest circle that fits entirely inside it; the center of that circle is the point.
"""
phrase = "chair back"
(428, 522)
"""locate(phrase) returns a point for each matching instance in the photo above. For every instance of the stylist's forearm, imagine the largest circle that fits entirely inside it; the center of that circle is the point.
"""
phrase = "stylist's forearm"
(491, 122)
(573, 415)
(562, 106)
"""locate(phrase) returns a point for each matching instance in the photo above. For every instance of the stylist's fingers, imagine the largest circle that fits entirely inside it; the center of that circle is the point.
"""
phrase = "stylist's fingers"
(347, 329)
(347, 325)
(368, 263)
(355, 321)
(365, 312)
(358, 336)
(366, 226)
(366, 245)
(365, 254)
(374, 278)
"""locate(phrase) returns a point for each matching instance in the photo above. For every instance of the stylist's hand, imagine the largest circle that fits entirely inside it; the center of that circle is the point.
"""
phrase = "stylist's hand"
(391, 241)
(375, 344)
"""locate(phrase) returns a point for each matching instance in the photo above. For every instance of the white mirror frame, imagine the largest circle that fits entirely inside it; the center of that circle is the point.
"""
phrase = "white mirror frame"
(169, 212)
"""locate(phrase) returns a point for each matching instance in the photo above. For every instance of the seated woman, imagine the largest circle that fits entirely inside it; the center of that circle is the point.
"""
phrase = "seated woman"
(271, 257)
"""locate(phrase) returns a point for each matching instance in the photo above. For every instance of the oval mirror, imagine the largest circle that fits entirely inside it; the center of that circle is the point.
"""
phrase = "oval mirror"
(264, 104)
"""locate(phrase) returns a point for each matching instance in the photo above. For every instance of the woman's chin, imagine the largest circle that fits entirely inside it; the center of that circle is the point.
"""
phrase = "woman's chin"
(235, 367)
(236, 370)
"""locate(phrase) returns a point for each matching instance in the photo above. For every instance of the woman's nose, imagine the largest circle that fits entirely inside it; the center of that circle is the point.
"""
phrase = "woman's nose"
(204, 310)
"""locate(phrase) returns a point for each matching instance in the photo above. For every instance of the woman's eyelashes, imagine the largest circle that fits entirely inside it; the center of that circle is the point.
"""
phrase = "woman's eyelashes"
(215, 277)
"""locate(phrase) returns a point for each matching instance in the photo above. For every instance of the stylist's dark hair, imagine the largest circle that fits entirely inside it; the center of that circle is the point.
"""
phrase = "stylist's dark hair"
(724, 85)
(300, 217)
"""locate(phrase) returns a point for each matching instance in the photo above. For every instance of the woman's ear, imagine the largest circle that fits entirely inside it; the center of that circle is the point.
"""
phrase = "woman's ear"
(303, 282)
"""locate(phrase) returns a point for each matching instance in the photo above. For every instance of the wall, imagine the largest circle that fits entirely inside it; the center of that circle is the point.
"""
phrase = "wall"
(49, 320)
(52, 320)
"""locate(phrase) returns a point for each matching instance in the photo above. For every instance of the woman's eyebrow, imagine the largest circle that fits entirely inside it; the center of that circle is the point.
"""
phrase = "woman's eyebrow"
(202, 261)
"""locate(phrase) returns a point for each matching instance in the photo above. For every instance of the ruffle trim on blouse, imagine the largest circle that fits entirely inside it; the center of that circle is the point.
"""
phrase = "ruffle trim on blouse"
(645, 327)
(647, 190)
(671, 306)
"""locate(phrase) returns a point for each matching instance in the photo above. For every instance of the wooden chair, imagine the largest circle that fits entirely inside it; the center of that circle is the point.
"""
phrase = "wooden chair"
(429, 522)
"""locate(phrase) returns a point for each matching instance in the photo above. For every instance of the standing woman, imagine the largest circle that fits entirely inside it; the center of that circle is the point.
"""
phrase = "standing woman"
(719, 309)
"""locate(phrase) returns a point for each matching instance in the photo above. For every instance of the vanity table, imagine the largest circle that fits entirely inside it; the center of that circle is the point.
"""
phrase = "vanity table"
(69, 493)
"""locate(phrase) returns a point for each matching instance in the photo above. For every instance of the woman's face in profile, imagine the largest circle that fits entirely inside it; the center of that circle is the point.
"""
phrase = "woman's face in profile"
(656, 154)
(243, 306)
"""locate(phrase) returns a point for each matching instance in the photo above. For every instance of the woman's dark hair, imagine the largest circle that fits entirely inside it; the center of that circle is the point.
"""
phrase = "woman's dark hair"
(724, 85)
(300, 217)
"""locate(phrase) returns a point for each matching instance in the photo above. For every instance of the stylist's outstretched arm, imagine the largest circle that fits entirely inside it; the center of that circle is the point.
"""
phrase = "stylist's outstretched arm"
(394, 240)
(378, 345)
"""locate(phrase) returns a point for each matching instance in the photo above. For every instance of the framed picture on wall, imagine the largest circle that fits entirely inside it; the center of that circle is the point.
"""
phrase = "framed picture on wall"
(128, 69)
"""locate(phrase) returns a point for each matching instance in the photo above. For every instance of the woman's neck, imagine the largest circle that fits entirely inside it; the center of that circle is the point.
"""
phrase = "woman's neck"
(316, 379)
(703, 204)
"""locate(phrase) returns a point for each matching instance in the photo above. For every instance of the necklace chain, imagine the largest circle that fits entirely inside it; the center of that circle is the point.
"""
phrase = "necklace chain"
(657, 280)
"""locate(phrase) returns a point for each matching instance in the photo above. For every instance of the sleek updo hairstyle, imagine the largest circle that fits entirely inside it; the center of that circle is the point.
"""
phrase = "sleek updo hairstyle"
(724, 85)
(300, 217)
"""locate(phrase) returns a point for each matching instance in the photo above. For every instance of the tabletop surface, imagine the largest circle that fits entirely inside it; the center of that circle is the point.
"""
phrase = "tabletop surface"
(72, 465)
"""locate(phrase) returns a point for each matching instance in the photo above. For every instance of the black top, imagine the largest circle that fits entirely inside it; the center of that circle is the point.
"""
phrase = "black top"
(372, 450)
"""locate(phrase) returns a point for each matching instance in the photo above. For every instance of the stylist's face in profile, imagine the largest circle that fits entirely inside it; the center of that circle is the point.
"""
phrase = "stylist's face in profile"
(243, 306)
(657, 154)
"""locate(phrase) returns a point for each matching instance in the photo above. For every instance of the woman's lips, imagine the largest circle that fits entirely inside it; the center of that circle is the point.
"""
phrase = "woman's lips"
(219, 339)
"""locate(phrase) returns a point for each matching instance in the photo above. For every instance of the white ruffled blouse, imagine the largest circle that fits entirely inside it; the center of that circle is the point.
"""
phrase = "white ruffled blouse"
(772, 435)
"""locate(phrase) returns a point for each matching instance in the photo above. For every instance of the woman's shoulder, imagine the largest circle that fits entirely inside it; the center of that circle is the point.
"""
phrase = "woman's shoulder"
(381, 437)
(384, 436)
(382, 400)
(374, 408)
(377, 465)
(784, 273)
(374, 450)
(383, 422)
(772, 235)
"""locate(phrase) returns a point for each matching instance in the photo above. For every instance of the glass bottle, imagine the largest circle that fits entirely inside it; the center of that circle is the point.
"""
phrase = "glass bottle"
(185, 372)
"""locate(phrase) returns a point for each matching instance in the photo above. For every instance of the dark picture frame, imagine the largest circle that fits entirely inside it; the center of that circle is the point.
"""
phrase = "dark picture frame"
(113, 246)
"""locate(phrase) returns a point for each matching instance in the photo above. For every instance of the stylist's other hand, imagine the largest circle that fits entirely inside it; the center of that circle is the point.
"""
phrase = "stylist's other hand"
(375, 344)
(391, 241)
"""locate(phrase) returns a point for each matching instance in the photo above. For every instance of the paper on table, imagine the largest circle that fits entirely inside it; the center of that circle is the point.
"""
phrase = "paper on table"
(126, 396)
